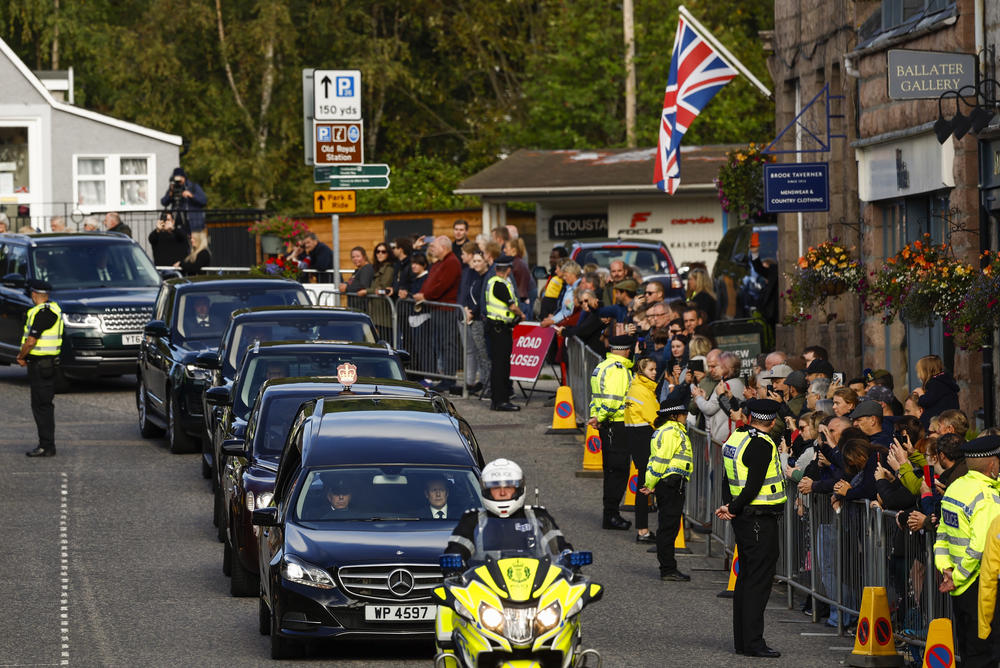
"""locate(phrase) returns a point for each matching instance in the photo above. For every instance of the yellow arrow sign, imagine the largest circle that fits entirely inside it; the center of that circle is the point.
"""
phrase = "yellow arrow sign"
(334, 201)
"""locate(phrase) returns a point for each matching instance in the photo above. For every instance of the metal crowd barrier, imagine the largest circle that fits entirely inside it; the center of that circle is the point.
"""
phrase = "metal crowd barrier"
(580, 362)
(433, 333)
(833, 555)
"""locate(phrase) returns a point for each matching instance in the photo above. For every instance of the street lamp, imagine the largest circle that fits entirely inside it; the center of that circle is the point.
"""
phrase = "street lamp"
(982, 111)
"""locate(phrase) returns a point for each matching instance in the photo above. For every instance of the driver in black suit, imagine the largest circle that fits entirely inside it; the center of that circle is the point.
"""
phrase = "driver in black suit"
(338, 494)
(436, 491)
(198, 318)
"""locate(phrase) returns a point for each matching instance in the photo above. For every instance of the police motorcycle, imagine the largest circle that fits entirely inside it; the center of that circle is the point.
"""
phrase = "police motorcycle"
(513, 605)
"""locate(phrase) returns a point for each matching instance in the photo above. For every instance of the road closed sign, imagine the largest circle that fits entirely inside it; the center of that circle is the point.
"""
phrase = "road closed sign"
(527, 356)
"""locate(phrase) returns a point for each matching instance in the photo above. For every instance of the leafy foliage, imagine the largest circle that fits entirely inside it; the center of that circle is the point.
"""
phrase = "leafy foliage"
(448, 88)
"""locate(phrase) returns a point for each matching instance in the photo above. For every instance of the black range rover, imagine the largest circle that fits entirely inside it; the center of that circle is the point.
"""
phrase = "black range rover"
(103, 282)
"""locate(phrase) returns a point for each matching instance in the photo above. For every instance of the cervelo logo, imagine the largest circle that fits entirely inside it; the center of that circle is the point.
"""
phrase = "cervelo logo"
(640, 217)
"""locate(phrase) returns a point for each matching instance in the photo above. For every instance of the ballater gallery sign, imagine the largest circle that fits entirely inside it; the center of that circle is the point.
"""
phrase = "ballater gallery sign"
(927, 74)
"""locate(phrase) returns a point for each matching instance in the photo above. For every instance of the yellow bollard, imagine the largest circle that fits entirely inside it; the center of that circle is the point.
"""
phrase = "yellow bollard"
(734, 572)
(940, 650)
(874, 643)
(593, 462)
(563, 414)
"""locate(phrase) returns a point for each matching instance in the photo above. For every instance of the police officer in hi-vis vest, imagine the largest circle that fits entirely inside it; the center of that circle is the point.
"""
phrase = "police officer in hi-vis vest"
(502, 312)
(969, 506)
(40, 345)
(755, 495)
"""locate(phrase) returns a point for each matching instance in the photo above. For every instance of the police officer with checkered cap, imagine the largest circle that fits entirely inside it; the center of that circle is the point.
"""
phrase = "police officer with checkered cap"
(754, 491)
(41, 344)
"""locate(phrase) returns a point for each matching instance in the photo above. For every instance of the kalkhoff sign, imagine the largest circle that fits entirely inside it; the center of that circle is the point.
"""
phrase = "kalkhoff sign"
(917, 75)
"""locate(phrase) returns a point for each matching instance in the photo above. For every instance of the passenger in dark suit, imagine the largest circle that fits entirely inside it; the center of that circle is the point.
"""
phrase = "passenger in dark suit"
(197, 319)
(436, 491)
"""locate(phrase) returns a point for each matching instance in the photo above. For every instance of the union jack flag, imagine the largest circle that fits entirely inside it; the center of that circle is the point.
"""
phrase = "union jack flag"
(697, 72)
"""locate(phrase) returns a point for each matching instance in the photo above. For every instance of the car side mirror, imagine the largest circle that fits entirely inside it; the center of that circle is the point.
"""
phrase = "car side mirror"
(240, 429)
(155, 328)
(218, 396)
(234, 447)
(404, 356)
(265, 517)
(539, 273)
(208, 361)
(14, 280)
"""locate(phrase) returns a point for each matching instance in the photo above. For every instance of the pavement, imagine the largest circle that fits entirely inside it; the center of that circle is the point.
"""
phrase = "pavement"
(110, 556)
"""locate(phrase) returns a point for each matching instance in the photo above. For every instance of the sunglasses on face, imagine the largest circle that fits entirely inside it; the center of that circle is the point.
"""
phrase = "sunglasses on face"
(649, 293)
(381, 250)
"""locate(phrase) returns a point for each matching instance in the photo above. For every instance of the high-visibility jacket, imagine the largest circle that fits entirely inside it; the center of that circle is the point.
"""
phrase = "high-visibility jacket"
(989, 573)
(969, 506)
(608, 385)
(495, 308)
(641, 404)
(670, 453)
(50, 341)
(772, 492)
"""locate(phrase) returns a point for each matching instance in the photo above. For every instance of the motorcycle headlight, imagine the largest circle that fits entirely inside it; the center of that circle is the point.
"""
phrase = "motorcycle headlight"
(548, 618)
(196, 373)
(491, 618)
(294, 569)
(264, 499)
(518, 624)
(91, 320)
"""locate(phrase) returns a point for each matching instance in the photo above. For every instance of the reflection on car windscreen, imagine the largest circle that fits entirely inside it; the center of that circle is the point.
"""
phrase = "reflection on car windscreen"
(286, 329)
(87, 266)
(205, 315)
(374, 364)
(386, 493)
(648, 261)
(274, 423)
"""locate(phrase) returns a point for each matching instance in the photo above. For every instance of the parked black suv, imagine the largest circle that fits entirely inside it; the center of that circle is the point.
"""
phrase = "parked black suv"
(189, 318)
(103, 282)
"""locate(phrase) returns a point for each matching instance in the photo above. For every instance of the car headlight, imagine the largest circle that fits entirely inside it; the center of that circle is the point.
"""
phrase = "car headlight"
(91, 320)
(491, 618)
(250, 501)
(548, 618)
(294, 569)
(196, 373)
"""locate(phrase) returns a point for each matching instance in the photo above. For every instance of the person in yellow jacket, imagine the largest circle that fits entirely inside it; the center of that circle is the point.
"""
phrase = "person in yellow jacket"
(609, 384)
(641, 408)
(667, 475)
(969, 506)
(41, 344)
(989, 573)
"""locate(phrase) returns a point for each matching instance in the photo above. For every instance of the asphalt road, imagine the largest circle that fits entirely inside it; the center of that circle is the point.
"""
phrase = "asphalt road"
(110, 557)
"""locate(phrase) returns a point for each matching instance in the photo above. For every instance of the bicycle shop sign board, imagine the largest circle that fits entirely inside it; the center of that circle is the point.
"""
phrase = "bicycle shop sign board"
(527, 355)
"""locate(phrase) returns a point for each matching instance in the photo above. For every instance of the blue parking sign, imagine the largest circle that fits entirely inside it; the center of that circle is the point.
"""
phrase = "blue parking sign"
(345, 86)
(323, 133)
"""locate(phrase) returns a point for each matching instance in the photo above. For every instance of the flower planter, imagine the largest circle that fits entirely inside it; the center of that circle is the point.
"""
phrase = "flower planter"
(271, 244)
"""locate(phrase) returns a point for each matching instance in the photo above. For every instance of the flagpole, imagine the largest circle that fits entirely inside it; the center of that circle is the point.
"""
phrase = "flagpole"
(732, 60)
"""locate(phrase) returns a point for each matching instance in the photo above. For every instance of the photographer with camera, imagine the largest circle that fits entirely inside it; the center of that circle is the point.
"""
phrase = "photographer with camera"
(169, 243)
(186, 200)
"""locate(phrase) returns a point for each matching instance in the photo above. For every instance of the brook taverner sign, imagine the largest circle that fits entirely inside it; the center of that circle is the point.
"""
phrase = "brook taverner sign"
(927, 74)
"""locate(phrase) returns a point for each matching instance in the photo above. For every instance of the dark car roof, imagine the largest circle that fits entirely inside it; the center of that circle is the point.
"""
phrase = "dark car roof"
(284, 346)
(605, 243)
(228, 281)
(365, 429)
(389, 387)
(292, 310)
(67, 237)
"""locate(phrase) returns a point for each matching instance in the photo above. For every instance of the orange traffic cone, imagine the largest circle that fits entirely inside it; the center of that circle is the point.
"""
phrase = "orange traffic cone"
(593, 462)
(563, 415)
(940, 650)
(680, 543)
(734, 571)
(874, 644)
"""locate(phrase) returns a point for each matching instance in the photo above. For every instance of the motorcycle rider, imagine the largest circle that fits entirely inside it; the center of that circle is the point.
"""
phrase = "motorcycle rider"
(503, 498)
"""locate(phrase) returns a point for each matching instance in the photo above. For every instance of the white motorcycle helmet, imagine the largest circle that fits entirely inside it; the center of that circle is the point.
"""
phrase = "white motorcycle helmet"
(503, 473)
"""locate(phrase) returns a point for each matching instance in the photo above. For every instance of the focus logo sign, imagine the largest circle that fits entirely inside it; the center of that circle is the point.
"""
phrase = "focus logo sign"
(633, 228)
(347, 374)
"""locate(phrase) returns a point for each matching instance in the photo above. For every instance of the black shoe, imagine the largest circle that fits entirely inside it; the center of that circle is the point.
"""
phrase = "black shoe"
(474, 388)
(616, 523)
(764, 653)
(41, 452)
(675, 576)
(647, 538)
(507, 408)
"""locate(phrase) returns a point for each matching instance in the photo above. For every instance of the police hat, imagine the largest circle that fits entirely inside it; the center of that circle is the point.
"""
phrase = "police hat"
(503, 261)
(337, 485)
(763, 410)
(677, 401)
(984, 446)
(38, 285)
(621, 342)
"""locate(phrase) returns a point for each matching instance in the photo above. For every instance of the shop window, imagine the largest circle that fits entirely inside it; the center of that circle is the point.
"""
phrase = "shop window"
(113, 182)
(892, 14)
(13, 160)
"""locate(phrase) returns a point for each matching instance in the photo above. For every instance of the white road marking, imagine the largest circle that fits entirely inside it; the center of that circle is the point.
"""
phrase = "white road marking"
(64, 568)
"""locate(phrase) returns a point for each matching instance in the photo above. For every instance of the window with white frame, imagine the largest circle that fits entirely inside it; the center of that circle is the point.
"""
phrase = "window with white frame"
(119, 182)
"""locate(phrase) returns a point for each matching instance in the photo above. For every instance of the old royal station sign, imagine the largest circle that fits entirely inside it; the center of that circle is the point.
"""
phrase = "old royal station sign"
(927, 74)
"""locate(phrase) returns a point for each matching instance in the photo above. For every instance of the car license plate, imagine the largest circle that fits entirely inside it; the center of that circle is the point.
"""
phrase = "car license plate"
(131, 339)
(400, 613)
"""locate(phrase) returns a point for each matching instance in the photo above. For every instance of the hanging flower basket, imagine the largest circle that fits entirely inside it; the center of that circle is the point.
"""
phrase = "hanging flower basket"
(741, 182)
(278, 233)
(824, 272)
(977, 316)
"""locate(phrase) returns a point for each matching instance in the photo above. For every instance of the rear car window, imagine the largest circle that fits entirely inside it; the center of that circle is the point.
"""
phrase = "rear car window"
(290, 329)
(84, 266)
(647, 260)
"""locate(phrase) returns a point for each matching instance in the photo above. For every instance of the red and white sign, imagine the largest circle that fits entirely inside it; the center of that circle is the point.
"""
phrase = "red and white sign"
(527, 357)
(347, 374)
